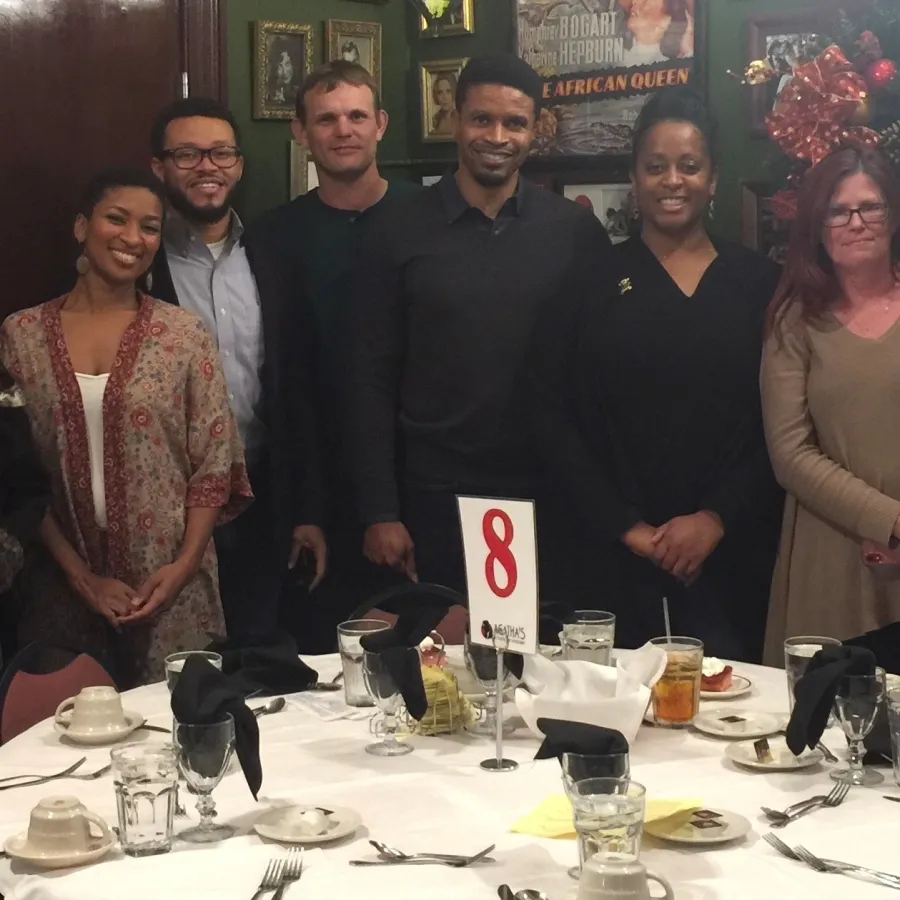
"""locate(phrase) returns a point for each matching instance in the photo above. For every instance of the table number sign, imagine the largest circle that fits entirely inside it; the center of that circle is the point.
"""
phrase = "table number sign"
(500, 545)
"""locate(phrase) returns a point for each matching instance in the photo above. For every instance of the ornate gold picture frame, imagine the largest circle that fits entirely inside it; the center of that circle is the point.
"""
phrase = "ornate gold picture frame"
(438, 78)
(282, 56)
(358, 42)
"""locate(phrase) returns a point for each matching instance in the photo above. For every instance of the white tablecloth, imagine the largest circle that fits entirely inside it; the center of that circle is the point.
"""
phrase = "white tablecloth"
(438, 798)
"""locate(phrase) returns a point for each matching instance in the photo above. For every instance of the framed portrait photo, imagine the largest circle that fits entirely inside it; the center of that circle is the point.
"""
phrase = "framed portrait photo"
(761, 229)
(358, 42)
(303, 173)
(438, 78)
(783, 40)
(612, 203)
(458, 18)
(282, 56)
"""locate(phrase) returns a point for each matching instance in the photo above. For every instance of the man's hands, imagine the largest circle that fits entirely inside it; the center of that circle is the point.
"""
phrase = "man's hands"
(681, 545)
(311, 538)
(389, 544)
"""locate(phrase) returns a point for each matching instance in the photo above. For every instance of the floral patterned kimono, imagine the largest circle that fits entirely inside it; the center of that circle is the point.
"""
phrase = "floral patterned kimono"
(170, 443)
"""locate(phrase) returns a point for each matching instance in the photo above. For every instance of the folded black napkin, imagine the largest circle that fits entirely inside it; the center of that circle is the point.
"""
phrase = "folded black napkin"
(562, 736)
(203, 695)
(815, 691)
(264, 664)
(884, 643)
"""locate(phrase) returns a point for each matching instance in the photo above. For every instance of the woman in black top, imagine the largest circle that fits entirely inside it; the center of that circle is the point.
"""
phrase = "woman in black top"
(645, 400)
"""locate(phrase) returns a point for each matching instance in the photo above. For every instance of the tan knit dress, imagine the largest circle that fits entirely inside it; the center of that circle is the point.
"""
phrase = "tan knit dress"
(831, 406)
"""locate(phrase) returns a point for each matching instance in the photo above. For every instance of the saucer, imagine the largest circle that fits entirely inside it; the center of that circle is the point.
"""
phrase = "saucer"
(739, 687)
(738, 723)
(782, 759)
(699, 826)
(105, 735)
(18, 848)
(283, 824)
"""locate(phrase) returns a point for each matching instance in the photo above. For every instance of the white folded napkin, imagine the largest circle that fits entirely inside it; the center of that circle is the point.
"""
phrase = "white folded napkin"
(579, 691)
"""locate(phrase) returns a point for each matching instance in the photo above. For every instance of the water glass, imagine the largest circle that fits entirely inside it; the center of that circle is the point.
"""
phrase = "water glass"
(581, 766)
(609, 817)
(798, 651)
(203, 753)
(856, 705)
(146, 783)
(384, 690)
(481, 661)
(349, 635)
(175, 663)
(893, 709)
(589, 635)
(676, 696)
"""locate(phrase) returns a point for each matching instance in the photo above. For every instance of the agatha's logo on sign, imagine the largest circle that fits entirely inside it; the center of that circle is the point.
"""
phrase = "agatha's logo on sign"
(509, 634)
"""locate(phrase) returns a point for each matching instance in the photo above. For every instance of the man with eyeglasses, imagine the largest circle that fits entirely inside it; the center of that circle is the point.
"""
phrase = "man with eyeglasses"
(207, 267)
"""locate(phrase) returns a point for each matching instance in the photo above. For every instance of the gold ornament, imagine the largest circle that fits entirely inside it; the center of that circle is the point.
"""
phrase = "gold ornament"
(758, 72)
(862, 114)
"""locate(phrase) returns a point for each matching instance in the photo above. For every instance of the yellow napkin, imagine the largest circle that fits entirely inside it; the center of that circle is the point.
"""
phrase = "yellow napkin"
(553, 817)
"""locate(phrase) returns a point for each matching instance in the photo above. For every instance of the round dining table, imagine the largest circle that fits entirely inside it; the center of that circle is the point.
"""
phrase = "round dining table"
(438, 799)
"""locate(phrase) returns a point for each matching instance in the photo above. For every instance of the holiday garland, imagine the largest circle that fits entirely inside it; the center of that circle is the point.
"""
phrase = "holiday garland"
(844, 89)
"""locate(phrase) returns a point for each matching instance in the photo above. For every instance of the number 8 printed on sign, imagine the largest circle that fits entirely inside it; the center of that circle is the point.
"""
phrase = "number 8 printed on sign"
(499, 552)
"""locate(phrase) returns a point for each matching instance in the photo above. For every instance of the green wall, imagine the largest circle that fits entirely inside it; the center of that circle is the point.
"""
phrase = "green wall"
(266, 143)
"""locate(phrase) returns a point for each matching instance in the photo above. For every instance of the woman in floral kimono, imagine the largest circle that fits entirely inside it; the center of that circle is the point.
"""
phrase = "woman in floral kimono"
(130, 413)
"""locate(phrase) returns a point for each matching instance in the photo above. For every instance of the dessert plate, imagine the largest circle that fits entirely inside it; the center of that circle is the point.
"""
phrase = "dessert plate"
(739, 687)
(287, 825)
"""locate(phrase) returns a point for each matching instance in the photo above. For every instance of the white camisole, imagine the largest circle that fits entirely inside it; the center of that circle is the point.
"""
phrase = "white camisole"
(92, 388)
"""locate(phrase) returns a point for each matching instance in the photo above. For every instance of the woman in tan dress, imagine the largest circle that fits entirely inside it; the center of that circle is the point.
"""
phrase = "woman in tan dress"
(130, 413)
(831, 395)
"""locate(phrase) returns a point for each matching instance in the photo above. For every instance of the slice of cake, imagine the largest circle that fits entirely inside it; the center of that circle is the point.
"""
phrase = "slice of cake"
(716, 675)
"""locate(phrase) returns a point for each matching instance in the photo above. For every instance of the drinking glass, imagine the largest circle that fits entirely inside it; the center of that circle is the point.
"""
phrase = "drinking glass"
(175, 663)
(146, 783)
(204, 752)
(608, 815)
(349, 635)
(856, 705)
(798, 651)
(581, 766)
(589, 635)
(481, 662)
(676, 696)
(893, 708)
(384, 691)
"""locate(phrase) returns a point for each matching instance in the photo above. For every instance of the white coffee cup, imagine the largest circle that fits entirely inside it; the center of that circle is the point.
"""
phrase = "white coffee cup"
(62, 825)
(617, 876)
(94, 709)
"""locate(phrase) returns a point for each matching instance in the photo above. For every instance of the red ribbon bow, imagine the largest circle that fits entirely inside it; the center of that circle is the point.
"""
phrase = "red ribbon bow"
(813, 113)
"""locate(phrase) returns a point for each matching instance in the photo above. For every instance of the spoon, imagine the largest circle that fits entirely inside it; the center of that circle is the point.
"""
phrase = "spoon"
(276, 704)
(394, 853)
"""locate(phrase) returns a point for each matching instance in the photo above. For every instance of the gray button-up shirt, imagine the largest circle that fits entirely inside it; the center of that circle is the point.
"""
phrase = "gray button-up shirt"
(221, 290)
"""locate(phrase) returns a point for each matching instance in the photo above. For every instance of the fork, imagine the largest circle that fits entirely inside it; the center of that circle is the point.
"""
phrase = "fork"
(458, 863)
(271, 879)
(293, 869)
(90, 776)
(835, 868)
(39, 779)
(835, 798)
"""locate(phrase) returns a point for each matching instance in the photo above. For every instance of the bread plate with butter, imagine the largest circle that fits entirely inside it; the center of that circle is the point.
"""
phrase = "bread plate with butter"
(305, 824)
(718, 681)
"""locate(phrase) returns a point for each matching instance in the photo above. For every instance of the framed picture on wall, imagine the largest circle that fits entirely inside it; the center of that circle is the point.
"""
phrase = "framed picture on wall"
(303, 174)
(358, 42)
(783, 40)
(609, 197)
(438, 78)
(458, 18)
(600, 62)
(282, 56)
(761, 229)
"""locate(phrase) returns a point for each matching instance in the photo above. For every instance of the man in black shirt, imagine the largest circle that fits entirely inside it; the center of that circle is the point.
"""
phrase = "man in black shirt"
(315, 239)
(450, 285)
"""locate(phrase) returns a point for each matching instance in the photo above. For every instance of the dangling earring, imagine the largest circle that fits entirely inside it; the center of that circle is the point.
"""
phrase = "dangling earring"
(712, 208)
(82, 264)
(148, 281)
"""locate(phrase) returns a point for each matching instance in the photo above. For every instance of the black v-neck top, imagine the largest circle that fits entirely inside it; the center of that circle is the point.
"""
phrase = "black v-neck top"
(646, 401)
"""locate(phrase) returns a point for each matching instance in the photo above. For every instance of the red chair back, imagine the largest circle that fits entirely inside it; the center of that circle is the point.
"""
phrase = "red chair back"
(38, 679)
(452, 628)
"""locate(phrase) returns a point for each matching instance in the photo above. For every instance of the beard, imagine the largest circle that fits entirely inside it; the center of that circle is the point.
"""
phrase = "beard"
(202, 215)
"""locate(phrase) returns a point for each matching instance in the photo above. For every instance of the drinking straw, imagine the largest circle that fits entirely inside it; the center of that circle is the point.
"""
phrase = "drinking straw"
(666, 617)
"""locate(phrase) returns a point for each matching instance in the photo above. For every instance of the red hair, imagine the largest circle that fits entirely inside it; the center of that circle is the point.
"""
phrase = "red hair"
(809, 280)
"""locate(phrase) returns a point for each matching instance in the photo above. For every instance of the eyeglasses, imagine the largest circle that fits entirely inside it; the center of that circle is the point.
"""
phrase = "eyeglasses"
(190, 157)
(870, 213)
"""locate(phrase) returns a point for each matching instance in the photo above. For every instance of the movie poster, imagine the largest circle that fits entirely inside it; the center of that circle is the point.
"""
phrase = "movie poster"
(600, 60)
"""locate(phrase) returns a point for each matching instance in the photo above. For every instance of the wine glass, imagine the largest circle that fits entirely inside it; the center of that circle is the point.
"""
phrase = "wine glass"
(481, 662)
(856, 705)
(204, 752)
(383, 689)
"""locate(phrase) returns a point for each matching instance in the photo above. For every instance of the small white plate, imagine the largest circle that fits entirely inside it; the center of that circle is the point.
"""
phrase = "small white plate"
(737, 723)
(100, 736)
(18, 848)
(739, 687)
(782, 758)
(700, 826)
(283, 824)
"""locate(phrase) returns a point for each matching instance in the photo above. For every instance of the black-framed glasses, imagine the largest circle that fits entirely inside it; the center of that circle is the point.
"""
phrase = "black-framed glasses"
(190, 157)
(870, 213)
